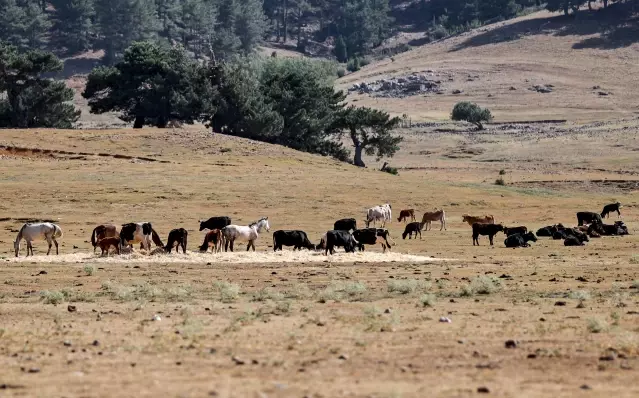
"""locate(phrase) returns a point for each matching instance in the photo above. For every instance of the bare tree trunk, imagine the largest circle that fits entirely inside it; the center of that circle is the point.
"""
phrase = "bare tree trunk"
(139, 122)
(357, 161)
(285, 20)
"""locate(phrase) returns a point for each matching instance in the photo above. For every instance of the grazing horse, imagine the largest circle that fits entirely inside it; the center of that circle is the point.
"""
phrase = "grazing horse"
(377, 213)
(103, 231)
(611, 208)
(140, 232)
(244, 233)
(35, 231)
(106, 243)
(214, 237)
(177, 237)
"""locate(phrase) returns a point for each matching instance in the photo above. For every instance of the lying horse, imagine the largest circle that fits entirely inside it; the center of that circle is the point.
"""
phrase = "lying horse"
(141, 232)
(106, 243)
(177, 237)
(249, 233)
(103, 231)
(215, 238)
(35, 231)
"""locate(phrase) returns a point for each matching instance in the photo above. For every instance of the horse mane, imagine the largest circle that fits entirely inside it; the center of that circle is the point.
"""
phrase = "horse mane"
(19, 237)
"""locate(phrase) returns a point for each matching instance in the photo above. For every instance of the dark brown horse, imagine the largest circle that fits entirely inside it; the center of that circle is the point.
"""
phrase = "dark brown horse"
(213, 238)
(106, 243)
(103, 231)
(177, 237)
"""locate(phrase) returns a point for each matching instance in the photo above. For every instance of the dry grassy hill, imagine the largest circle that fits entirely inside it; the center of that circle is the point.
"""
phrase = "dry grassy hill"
(496, 66)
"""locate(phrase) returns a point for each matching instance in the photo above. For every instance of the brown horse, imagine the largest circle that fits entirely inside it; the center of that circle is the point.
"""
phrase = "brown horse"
(103, 231)
(213, 238)
(106, 243)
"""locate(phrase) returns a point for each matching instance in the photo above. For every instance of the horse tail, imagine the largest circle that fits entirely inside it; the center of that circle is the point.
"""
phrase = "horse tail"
(94, 236)
(156, 238)
(57, 231)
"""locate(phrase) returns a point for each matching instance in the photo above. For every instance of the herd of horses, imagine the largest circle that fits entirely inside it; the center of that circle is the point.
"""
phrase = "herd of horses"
(222, 234)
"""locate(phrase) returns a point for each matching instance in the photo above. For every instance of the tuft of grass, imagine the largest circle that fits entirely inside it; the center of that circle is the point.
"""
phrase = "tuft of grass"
(267, 294)
(482, 284)
(427, 300)
(229, 292)
(341, 72)
(54, 297)
(596, 325)
(580, 295)
(502, 172)
(89, 269)
(338, 291)
(391, 170)
(500, 181)
(615, 318)
(298, 291)
(635, 284)
(282, 307)
(407, 286)
(145, 291)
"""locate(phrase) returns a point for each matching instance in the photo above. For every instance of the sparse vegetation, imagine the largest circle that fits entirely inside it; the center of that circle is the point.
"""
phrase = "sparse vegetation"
(596, 325)
(338, 290)
(500, 181)
(89, 269)
(482, 284)
(407, 286)
(228, 292)
(52, 297)
(427, 300)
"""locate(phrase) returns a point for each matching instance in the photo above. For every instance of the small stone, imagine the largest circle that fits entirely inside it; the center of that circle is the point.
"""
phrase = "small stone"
(343, 357)
(531, 356)
(585, 387)
(387, 311)
(511, 344)
(156, 317)
(95, 343)
(67, 343)
(42, 273)
(33, 370)
(71, 308)
(609, 357)
(445, 320)
(238, 361)
(483, 390)
(560, 303)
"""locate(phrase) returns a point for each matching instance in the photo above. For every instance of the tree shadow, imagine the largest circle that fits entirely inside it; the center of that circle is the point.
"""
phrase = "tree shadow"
(616, 25)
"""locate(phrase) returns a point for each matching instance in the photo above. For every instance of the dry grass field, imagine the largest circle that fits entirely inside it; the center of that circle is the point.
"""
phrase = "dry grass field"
(349, 325)
(364, 325)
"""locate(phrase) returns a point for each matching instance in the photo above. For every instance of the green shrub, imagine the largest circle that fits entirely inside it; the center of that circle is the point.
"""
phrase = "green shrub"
(439, 32)
(500, 181)
(471, 113)
(353, 64)
(391, 170)
(341, 72)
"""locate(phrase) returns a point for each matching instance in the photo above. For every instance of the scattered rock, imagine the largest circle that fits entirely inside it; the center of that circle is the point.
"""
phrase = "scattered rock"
(531, 356)
(445, 320)
(387, 311)
(238, 361)
(71, 308)
(548, 88)
(483, 390)
(343, 357)
(457, 91)
(511, 344)
(95, 343)
(596, 87)
(582, 279)
(585, 387)
(603, 93)
(560, 303)
(33, 370)
(156, 317)
(67, 343)
(512, 88)
(42, 273)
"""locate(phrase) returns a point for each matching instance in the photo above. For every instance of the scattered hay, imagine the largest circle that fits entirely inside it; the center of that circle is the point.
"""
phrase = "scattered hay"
(285, 256)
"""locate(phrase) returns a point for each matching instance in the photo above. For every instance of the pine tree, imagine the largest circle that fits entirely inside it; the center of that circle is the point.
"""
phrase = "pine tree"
(226, 42)
(23, 24)
(121, 22)
(33, 101)
(73, 25)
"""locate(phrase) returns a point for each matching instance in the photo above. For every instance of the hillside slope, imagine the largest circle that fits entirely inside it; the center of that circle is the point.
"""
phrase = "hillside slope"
(594, 74)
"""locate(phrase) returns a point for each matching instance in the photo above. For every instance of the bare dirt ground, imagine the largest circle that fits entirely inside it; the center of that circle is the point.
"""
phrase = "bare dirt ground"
(295, 325)
(591, 61)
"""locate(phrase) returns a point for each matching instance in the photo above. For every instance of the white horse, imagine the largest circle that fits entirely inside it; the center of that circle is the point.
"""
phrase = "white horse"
(244, 233)
(30, 232)
(377, 213)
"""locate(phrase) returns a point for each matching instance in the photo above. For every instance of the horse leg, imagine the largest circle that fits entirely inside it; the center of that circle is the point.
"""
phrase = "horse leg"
(56, 246)
(248, 246)
(50, 244)
(232, 241)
